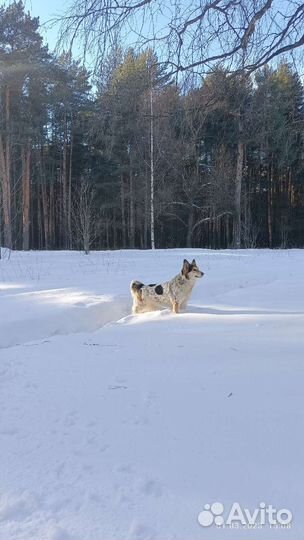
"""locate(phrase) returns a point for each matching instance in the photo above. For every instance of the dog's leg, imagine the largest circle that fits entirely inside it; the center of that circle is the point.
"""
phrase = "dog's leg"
(175, 307)
(135, 308)
(183, 305)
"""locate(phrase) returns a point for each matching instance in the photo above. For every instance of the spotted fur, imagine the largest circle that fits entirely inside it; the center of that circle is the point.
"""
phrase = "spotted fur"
(173, 294)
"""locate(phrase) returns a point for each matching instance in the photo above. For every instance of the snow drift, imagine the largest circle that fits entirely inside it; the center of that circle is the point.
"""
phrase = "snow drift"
(128, 429)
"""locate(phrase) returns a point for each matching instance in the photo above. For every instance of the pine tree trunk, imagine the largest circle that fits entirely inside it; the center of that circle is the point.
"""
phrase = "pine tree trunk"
(8, 167)
(69, 209)
(5, 167)
(39, 221)
(123, 214)
(51, 216)
(6, 198)
(227, 230)
(270, 207)
(26, 194)
(107, 233)
(64, 184)
(152, 170)
(45, 215)
(132, 212)
(146, 212)
(289, 189)
(218, 232)
(238, 187)
(114, 229)
(189, 228)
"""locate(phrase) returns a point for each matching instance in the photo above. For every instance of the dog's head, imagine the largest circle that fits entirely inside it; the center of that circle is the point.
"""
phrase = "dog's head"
(191, 270)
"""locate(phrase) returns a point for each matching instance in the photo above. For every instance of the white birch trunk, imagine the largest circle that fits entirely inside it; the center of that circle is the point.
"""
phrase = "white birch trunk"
(152, 170)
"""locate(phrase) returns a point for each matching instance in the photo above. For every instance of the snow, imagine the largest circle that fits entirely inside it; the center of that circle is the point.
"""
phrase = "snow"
(116, 426)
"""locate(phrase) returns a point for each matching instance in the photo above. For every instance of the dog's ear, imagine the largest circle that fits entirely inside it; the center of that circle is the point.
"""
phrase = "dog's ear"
(193, 262)
(186, 268)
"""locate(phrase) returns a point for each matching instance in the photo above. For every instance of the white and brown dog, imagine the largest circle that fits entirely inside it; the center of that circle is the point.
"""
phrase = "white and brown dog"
(172, 294)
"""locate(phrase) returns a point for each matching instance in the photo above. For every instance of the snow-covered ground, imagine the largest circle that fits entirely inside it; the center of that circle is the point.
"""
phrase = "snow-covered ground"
(120, 427)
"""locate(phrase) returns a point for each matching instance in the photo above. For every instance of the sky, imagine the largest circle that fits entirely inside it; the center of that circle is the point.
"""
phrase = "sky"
(46, 10)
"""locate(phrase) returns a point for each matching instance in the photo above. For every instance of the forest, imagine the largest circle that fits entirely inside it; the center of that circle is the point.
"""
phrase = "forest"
(131, 157)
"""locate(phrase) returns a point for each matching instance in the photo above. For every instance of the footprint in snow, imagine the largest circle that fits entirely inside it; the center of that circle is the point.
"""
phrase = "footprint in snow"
(124, 468)
(58, 533)
(15, 507)
(140, 531)
(151, 488)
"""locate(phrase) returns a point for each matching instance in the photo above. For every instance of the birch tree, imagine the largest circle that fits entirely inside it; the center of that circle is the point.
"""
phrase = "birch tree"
(243, 35)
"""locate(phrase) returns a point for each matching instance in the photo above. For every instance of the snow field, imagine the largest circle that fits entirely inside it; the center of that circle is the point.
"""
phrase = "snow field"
(116, 426)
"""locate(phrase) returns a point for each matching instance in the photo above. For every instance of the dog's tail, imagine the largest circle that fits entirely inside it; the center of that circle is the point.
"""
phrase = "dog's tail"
(135, 288)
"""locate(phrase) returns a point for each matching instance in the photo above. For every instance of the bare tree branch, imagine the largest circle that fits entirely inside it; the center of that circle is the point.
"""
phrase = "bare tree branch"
(244, 35)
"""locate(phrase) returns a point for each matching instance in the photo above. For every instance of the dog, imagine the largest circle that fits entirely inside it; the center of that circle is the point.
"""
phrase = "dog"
(173, 294)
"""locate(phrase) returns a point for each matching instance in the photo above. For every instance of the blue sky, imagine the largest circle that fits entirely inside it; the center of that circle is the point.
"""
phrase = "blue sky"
(45, 10)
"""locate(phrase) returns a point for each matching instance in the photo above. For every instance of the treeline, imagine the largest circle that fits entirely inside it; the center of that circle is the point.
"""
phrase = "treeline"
(107, 162)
